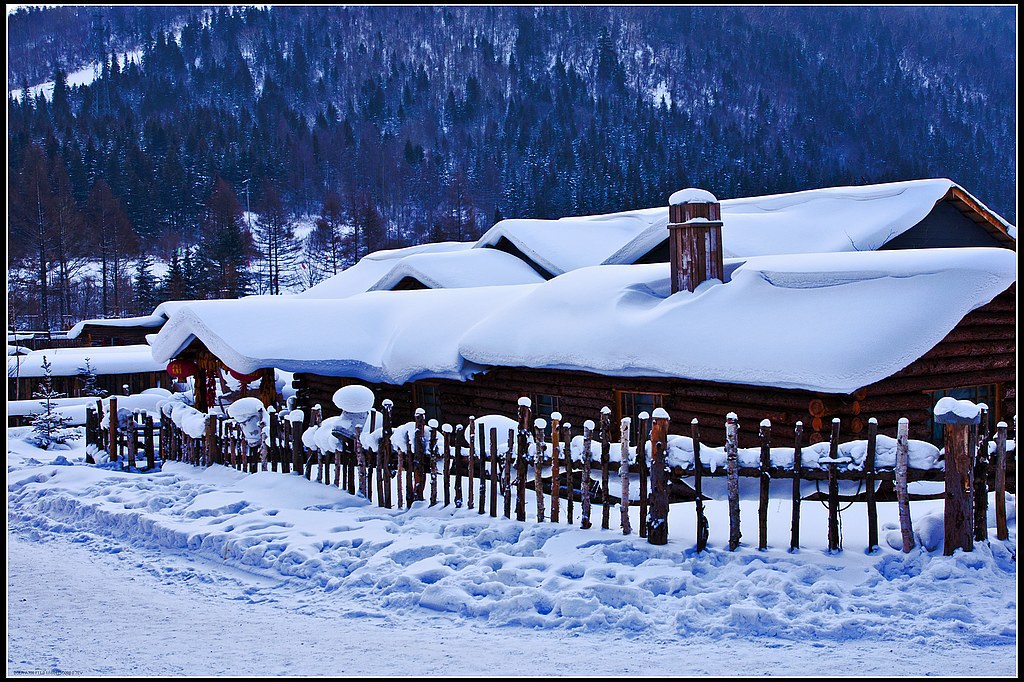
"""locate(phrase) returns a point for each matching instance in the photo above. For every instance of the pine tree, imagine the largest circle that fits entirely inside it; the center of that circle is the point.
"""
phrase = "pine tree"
(144, 294)
(49, 427)
(226, 244)
(87, 375)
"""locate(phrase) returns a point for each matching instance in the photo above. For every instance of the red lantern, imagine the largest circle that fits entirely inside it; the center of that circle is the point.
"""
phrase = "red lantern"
(181, 369)
(249, 378)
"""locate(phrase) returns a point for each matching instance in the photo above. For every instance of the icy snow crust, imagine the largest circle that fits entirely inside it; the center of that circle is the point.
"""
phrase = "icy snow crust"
(623, 322)
(305, 535)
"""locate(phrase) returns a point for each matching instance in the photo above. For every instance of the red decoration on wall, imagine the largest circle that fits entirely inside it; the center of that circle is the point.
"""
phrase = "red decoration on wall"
(181, 369)
(249, 378)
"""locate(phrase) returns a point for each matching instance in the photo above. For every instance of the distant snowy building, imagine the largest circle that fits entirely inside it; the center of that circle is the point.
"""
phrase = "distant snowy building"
(114, 367)
(804, 306)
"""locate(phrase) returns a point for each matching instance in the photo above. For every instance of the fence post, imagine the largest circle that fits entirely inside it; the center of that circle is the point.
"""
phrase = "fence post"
(455, 465)
(482, 504)
(538, 465)
(494, 472)
(585, 507)
(556, 472)
(834, 540)
(506, 475)
(112, 429)
(360, 460)
(869, 484)
(419, 454)
(567, 459)
(1002, 532)
(703, 529)
(446, 432)
(641, 463)
(522, 447)
(981, 477)
(385, 448)
(624, 474)
(902, 498)
(148, 440)
(410, 485)
(131, 440)
(765, 433)
(432, 461)
(606, 421)
(798, 433)
(657, 525)
(958, 516)
(732, 461)
(470, 493)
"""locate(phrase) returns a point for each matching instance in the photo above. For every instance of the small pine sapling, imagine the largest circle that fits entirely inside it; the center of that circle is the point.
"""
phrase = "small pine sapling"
(49, 427)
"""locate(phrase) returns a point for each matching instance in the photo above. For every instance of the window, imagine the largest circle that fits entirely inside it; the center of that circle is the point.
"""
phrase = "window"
(988, 394)
(428, 396)
(543, 407)
(632, 404)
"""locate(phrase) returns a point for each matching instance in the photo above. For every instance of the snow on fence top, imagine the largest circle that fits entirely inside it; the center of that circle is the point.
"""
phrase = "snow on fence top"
(624, 322)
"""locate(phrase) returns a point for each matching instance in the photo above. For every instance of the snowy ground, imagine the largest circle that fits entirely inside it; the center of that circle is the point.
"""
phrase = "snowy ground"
(214, 572)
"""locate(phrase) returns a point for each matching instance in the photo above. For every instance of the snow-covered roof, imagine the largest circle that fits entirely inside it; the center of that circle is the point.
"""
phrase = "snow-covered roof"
(752, 329)
(459, 269)
(102, 359)
(834, 219)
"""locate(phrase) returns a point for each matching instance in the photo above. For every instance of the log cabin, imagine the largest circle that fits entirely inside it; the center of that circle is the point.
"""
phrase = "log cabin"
(113, 366)
(842, 302)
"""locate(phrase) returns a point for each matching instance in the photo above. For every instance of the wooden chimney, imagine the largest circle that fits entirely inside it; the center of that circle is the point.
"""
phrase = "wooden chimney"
(694, 239)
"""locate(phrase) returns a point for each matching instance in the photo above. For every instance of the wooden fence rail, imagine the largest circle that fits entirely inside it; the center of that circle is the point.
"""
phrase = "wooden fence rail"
(433, 455)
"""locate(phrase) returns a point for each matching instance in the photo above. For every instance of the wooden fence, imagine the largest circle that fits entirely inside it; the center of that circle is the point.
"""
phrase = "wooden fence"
(432, 465)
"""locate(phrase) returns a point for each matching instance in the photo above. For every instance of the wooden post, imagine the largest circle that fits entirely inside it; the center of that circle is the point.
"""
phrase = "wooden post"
(410, 485)
(959, 512)
(210, 440)
(902, 497)
(538, 465)
(624, 475)
(732, 460)
(834, 541)
(470, 501)
(360, 460)
(385, 448)
(1002, 533)
(588, 428)
(641, 464)
(698, 472)
(419, 454)
(606, 413)
(521, 451)
(112, 429)
(869, 484)
(657, 525)
(506, 475)
(494, 473)
(446, 431)
(432, 461)
(456, 467)
(567, 458)
(130, 441)
(765, 433)
(556, 479)
(483, 460)
(150, 450)
(981, 478)
(275, 427)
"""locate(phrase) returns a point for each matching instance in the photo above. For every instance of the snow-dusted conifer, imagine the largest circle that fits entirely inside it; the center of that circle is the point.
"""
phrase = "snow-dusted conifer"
(49, 427)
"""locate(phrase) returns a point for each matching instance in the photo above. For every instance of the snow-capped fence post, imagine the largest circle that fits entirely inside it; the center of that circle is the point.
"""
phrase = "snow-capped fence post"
(274, 425)
(641, 463)
(588, 428)
(470, 497)
(869, 484)
(733, 486)
(698, 473)
(765, 433)
(981, 476)
(606, 421)
(556, 482)
(455, 465)
(902, 498)
(494, 472)
(446, 431)
(385, 450)
(148, 440)
(432, 461)
(419, 453)
(798, 434)
(296, 450)
(506, 475)
(1001, 530)
(410, 485)
(957, 417)
(360, 460)
(567, 457)
(834, 541)
(657, 524)
(112, 439)
(481, 507)
(521, 451)
(624, 474)
(538, 465)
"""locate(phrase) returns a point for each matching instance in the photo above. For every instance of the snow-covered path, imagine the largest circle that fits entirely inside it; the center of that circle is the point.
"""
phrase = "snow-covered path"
(215, 572)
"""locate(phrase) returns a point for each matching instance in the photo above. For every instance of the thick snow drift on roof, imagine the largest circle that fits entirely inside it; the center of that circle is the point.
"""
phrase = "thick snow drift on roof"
(378, 336)
(362, 276)
(151, 320)
(103, 360)
(459, 269)
(874, 313)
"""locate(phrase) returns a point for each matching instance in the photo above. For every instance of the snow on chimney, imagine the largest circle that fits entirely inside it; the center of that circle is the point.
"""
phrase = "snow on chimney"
(695, 238)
